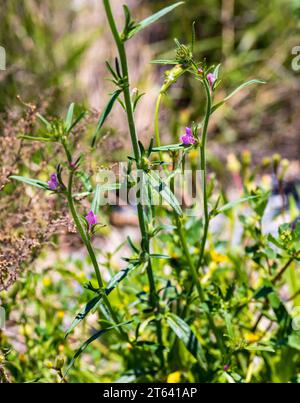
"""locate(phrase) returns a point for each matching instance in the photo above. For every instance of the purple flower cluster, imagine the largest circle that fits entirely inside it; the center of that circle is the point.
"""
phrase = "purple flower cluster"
(188, 138)
(211, 79)
(91, 219)
(53, 182)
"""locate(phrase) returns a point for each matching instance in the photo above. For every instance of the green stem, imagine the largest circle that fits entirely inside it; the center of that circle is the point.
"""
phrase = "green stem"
(156, 123)
(203, 170)
(87, 243)
(189, 259)
(137, 154)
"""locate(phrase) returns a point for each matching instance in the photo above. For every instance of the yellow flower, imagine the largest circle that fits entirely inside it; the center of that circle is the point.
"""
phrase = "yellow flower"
(47, 281)
(218, 257)
(61, 348)
(174, 377)
(252, 337)
(146, 288)
(60, 314)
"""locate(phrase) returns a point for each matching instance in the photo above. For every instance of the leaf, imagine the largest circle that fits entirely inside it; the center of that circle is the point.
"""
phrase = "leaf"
(164, 191)
(216, 71)
(90, 340)
(104, 114)
(246, 84)
(164, 61)
(69, 117)
(96, 200)
(263, 292)
(260, 347)
(119, 277)
(33, 138)
(85, 179)
(170, 147)
(132, 245)
(83, 313)
(93, 303)
(185, 334)
(232, 204)
(228, 322)
(294, 340)
(80, 116)
(159, 256)
(153, 18)
(33, 182)
(275, 241)
(44, 121)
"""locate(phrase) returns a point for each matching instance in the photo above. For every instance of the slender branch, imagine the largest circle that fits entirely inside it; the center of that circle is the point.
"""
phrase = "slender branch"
(285, 267)
(87, 242)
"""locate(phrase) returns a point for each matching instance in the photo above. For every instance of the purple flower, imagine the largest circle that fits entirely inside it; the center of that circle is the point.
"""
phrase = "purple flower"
(226, 367)
(188, 138)
(53, 182)
(211, 79)
(91, 219)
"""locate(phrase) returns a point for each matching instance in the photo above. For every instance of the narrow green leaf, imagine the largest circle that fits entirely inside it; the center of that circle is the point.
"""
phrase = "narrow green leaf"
(263, 291)
(77, 120)
(234, 203)
(85, 179)
(33, 182)
(164, 61)
(104, 114)
(217, 71)
(93, 303)
(170, 147)
(229, 327)
(186, 335)
(119, 277)
(90, 340)
(153, 18)
(260, 347)
(69, 117)
(159, 256)
(83, 313)
(132, 245)
(246, 84)
(96, 200)
(43, 139)
(164, 191)
(44, 121)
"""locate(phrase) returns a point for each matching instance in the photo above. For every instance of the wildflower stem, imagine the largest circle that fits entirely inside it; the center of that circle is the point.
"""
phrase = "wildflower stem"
(154, 300)
(89, 247)
(203, 170)
(156, 123)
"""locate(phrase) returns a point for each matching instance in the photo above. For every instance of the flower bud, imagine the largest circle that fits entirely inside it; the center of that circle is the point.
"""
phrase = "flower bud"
(59, 363)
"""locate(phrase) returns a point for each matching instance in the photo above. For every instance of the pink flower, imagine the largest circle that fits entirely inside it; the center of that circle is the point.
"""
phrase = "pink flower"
(211, 79)
(91, 219)
(53, 182)
(188, 138)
